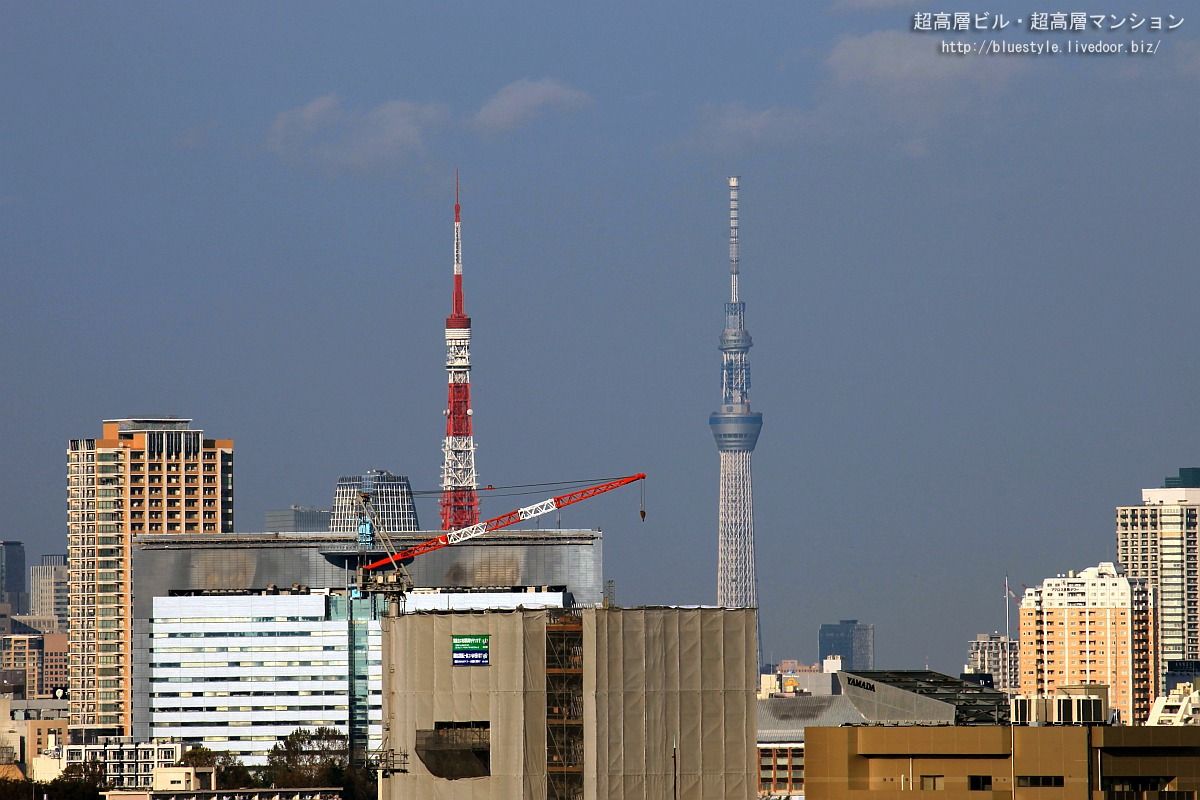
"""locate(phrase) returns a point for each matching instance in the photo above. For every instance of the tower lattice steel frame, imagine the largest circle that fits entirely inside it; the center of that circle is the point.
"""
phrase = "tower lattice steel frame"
(460, 501)
(735, 428)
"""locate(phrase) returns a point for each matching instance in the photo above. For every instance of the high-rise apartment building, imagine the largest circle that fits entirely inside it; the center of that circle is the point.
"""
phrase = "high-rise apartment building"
(141, 476)
(996, 655)
(391, 497)
(1157, 542)
(43, 659)
(49, 591)
(854, 641)
(12, 576)
(1094, 626)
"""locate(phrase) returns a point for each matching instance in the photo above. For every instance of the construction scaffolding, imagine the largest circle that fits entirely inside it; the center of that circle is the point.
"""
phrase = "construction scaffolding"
(564, 705)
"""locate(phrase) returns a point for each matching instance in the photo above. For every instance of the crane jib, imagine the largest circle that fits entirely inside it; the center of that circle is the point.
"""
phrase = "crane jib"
(504, 520)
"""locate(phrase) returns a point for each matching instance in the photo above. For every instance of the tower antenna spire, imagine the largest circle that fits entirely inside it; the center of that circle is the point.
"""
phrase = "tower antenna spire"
(734, 249)
(460, 503)
(735, 428)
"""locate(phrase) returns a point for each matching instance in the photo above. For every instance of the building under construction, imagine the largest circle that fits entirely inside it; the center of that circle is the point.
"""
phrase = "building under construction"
(195, 568)
(571, 703)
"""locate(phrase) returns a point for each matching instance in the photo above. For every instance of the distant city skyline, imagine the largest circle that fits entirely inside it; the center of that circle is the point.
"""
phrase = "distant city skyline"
(966, 274)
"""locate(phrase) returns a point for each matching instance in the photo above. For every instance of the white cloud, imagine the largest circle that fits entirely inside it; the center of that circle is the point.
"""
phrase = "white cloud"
(909, 63)
(522, 100)
(891, 83)
(323, 132)
(902, 81)
(733, 126)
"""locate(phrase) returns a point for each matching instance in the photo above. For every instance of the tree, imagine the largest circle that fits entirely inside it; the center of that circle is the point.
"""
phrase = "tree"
(231, 772)
(83, 781)
(308, 758)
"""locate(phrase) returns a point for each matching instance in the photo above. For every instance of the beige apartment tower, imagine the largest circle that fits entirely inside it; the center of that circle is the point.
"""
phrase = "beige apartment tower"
(1095, 626)
(1157, 542)
(141, 476)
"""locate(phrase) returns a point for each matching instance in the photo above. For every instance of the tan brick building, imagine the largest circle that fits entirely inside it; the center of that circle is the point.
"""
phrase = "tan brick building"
(1095, 626)
(1075, 762)
(141, 476)
(43, 659)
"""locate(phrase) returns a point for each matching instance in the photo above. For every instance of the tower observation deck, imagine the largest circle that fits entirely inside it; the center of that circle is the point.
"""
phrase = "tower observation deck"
(735, 428)
(460, 502)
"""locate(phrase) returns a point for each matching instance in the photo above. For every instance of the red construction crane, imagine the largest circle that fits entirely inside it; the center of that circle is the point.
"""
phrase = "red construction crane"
(503, 521)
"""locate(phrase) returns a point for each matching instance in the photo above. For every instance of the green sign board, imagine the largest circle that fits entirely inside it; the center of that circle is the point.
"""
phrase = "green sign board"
(470, 650)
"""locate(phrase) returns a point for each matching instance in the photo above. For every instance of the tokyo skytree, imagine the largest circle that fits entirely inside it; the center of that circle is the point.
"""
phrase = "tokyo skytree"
(736, 428)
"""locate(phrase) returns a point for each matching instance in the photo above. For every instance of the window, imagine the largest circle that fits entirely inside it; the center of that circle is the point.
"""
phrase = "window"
(1039, 781)
(456, 749)
(933, 783)
(979, 783)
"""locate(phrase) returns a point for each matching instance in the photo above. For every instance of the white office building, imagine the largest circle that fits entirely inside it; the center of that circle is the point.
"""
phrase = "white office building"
(239, 672)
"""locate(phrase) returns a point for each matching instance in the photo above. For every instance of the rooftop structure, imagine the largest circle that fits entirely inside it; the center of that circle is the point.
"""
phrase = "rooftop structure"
(299, 518)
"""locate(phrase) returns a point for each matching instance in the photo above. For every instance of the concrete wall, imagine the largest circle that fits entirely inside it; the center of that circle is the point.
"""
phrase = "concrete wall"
(668, 702)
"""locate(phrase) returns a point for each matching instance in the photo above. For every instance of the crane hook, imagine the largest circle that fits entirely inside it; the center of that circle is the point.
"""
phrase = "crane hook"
(643, 508)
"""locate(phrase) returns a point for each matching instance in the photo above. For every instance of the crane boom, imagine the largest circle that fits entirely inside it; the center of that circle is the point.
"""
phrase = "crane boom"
(505, 520)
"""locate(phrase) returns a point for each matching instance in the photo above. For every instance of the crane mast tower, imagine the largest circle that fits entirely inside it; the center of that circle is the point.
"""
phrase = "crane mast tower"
(735, 428)
(459, 502)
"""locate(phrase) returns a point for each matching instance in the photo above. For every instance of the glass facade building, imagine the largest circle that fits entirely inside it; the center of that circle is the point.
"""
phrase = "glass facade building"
(854, 641)
(238, 673)
(12, 577)
(391, 497)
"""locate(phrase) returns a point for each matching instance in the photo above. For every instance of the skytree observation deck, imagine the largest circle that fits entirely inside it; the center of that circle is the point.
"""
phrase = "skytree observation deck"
(735, 428)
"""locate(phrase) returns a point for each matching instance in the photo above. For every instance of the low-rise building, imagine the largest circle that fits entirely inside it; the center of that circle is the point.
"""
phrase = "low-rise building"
(1075, 762)
(124, 762)
(1181, 706)
(897, 697)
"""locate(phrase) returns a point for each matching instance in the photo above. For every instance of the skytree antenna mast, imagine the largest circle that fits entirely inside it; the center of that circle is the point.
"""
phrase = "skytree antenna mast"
(460, 503)
(735, 428)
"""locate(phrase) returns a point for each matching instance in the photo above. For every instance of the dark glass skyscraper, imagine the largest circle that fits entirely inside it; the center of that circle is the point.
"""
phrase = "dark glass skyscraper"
(12, 576)
(854, 641)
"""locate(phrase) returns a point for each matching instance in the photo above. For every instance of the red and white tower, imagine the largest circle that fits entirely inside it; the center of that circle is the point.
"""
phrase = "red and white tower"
(460, 503)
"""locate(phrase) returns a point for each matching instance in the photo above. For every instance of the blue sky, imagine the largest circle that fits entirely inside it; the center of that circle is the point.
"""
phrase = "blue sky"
(970, 281)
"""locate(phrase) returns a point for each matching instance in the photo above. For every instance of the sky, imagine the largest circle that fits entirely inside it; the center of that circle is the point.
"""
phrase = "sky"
(970, 280)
